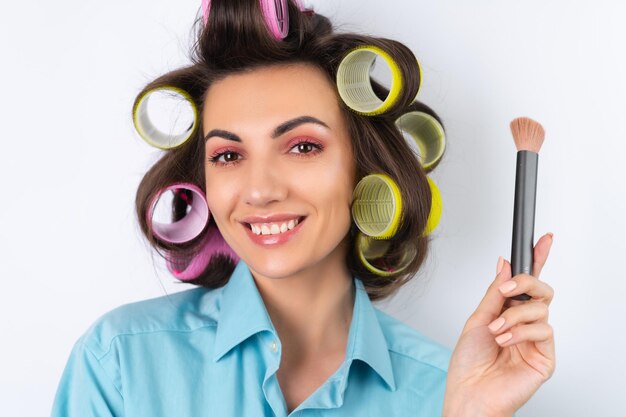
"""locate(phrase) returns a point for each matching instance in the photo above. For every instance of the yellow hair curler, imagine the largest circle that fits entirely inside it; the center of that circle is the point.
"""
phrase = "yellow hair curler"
(435, 208)
(376, 206)
(371, 253)
(427, 133)
(144, 121)
(354, 83)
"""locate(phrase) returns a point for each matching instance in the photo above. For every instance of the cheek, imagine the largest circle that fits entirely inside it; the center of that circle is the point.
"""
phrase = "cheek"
(327, 185)
(220, 197)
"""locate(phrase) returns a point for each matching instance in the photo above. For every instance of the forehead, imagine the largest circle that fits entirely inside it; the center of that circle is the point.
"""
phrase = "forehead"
(271, 94)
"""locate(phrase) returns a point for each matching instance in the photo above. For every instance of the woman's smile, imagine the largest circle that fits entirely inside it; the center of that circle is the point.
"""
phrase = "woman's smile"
(271, 234)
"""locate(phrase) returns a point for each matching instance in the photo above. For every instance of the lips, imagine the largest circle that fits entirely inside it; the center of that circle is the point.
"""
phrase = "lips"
(274, 218)
(277, 239)
(276, 224)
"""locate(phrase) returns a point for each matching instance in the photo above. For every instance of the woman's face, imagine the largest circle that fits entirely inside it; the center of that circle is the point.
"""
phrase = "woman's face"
(277, 144)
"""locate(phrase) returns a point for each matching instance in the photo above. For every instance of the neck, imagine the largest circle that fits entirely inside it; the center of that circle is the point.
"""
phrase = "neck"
(311, 310)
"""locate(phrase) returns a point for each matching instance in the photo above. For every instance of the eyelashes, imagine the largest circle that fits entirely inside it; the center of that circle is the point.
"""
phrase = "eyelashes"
(316, 149)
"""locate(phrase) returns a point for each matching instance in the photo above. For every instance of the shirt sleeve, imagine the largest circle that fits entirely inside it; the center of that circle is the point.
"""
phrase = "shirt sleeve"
(86, 389)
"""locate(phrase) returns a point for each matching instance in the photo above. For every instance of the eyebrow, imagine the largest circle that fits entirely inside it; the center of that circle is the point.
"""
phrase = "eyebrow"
(280, 129)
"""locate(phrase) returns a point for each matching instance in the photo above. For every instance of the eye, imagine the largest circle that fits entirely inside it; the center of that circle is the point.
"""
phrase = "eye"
(229, 158)
(306, 146)
(302, 146)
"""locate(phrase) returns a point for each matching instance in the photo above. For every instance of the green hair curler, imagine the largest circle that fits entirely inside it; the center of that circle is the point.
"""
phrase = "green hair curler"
(377, 205)
(436, 207)
(371, 254)
(427, 133)
(354, 83)
(144, 123)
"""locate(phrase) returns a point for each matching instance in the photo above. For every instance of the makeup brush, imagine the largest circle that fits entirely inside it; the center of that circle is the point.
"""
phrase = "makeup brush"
(528, 136)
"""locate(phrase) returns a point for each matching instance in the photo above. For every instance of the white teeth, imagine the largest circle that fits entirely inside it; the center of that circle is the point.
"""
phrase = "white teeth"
(273, 228)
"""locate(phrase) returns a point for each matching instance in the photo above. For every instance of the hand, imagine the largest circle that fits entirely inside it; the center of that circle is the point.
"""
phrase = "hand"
(488, 376)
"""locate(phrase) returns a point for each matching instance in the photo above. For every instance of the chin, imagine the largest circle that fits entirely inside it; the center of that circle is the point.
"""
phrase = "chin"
(272, 268)
(275, 267)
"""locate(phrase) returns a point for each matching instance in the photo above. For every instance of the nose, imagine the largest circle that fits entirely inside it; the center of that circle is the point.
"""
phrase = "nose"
(265, 184)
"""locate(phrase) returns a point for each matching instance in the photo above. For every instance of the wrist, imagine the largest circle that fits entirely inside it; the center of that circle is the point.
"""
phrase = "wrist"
(459, 405)
(467, 411)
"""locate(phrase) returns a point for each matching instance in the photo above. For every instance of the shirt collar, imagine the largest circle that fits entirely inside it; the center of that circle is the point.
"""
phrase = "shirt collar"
(243, 314)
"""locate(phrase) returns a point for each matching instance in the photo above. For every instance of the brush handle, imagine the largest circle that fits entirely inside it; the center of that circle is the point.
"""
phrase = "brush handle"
(524, 215)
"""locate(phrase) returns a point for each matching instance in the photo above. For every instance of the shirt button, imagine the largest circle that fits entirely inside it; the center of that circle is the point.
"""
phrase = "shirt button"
(274, 346)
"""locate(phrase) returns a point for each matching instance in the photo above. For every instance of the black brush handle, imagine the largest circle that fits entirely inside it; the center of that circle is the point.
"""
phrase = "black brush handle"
(524, 215)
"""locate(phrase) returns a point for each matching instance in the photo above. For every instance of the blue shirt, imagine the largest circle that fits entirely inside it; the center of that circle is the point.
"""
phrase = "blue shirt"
(215, 352)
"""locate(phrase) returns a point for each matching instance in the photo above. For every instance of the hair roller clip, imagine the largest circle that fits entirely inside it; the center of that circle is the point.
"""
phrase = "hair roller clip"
(376, 206)
(275, 13)
(427, 133)
(436, 207)
(190, 268)
(144, 116)
(354, 82)
(371, 253)
(193, 221)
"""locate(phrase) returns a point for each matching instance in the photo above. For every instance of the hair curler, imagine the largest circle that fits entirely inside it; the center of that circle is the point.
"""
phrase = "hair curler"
(428, 135)
(354, 82)
(371, 252)
(275, 13)
(436, 207)
(144, 122)
(188, 227)
(377, 206)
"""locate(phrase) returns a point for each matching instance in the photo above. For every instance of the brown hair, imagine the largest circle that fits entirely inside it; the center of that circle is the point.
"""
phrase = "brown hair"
(236, 39)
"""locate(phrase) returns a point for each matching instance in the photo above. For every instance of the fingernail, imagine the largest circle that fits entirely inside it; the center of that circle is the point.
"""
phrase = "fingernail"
(551, 235)
(500, 265)
(496, 324)
(504, 337)
(508, 286)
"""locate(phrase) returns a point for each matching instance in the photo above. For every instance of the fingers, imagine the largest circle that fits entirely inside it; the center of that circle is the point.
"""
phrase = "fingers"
(535, 332)
(541, 252)
(497, 299)
(528, 322)
(524, 283)
(541, 335)
(525, 313)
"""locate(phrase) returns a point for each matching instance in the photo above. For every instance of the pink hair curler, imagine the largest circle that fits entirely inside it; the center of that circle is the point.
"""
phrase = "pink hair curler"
(212, 244)
(275, 13)
(206, 5)
(187, 228)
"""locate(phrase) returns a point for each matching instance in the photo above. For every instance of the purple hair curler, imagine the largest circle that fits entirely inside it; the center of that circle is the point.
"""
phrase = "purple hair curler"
(275, 12)
(187, 228)
(212, 244)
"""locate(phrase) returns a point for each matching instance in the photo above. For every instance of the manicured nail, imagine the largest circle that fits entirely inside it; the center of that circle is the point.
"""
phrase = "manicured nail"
(496, 324)
(500, 265)
(508, 286)
(503, 338)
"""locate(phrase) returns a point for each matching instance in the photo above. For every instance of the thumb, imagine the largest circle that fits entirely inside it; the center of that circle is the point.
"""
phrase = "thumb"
(491, 305)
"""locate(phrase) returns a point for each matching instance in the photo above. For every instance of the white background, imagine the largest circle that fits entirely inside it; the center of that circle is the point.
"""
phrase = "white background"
(70, 164)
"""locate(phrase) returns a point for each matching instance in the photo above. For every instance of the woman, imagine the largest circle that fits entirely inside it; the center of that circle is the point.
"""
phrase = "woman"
(282, 322)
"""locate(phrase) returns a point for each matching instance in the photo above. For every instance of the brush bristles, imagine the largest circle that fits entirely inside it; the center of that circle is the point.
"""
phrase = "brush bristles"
(528, 134)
